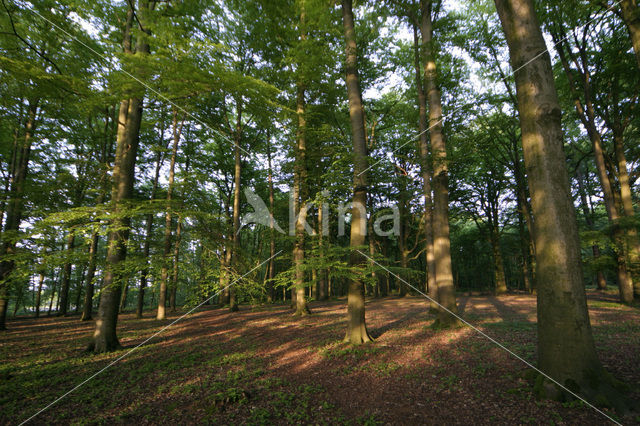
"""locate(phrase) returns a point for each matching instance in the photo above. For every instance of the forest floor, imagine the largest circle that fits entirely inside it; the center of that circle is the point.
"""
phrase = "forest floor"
(264, 366)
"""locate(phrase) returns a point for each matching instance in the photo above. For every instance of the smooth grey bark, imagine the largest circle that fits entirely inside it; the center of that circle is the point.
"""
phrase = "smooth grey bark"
(566, 349)
(357, 332)
(441, 238)
(426, 169)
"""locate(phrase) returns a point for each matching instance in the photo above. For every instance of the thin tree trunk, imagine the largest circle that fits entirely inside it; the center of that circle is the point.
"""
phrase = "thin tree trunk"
(300, 199)
(587, 116)
(146, 250)
(322, 290)
(66, 275)
(39, 294)
(272, 235)
(123, 296)
(498, 263)
(402, 239)
(14, 207)
(53, 293)
(79, 286)
(442, 242)
(176, 262)
(372, 254)
(164, 272)
(357, 332)
(237, 177)
(566, 349)
(600, 278)
(87, 310)
(632, 242)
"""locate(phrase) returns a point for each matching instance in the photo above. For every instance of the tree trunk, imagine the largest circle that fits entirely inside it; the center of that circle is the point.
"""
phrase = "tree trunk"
(53, 293)
(372, 254)
(237, 177)
(426, 167)
(442, 243)
(76, 308)
(402, 239)
(87, 310)
(498, 264)
(631, 17)
(600, 279)
(13, 210)
(89, 286)
(357, 332)
(566, 350)
(164, 272)
(146, 250)
(66, 275)
(587, 115)
(632, 242)
(300, 198)
(176, 261)
(524, 214)
(323, 291)
(272, 234)
(105, 338)
(39, 294)
(123, 296)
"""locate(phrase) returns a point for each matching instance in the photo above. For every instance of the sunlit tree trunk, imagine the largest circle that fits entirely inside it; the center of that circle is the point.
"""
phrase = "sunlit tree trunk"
(566, 349)
(426, 167)
(105, 338)
(441, 238)
(357, 332)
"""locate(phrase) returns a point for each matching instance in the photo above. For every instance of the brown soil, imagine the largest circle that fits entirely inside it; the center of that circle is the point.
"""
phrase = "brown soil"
(264, 366)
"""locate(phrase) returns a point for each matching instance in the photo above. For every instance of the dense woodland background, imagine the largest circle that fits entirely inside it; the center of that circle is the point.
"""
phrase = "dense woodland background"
(140, 125)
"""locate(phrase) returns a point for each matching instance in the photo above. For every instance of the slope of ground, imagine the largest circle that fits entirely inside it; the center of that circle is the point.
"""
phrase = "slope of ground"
(263, 366)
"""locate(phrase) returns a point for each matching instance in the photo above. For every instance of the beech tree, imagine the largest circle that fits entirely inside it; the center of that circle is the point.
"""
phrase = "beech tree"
(129, 118)
(357, 332)
(442, 242)
(566, 350)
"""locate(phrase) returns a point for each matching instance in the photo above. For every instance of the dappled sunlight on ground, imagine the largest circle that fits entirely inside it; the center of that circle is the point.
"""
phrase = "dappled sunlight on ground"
(262, 365)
